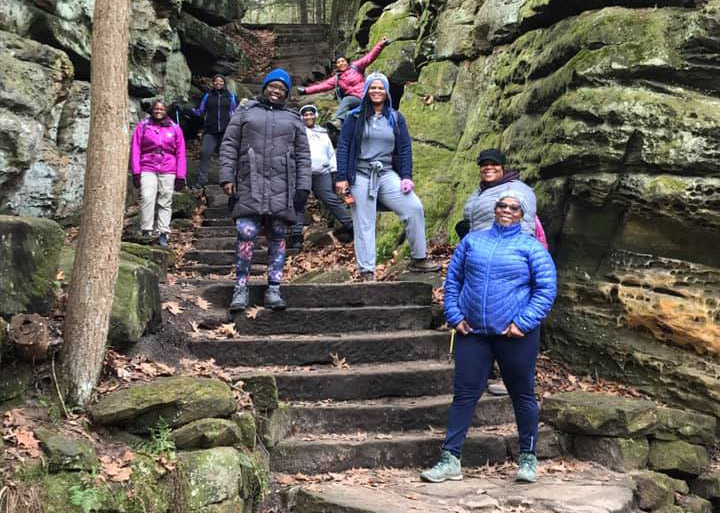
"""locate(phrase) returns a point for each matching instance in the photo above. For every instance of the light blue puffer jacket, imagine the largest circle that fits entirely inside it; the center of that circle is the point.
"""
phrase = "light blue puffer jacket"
(499, 276)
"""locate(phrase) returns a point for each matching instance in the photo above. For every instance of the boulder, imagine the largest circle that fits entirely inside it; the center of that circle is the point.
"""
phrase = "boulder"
(590, 413)
(263, 389)
(707, 485)
(178, 400)
(216, 12)
(654, 490)
(209, 477)
(694, 504)
(276, 425)
(206, 433)
(245, 421)
(16, 16)
(136, 306)
(65, 453)
(397, 62)
(397, 22)
(211, 50)
(74, 124)
(29, 258)
(616, 453)
(685, 425)
(15, 380)
(162, 257)
(176, 83)
(184, 205)
(679, 459)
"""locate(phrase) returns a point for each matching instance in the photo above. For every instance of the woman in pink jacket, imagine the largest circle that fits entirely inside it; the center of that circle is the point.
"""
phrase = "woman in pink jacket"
(158, 167)
(348, 81)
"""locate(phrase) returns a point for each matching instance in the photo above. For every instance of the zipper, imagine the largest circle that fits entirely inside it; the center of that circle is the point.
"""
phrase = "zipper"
(219, 101)
(487, 277)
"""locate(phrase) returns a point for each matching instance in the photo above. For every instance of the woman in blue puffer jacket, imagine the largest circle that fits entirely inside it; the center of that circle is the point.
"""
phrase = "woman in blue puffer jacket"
(501, 284)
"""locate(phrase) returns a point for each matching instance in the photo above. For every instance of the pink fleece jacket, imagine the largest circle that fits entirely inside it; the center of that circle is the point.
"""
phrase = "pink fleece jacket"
(158, 147)
(352, 80)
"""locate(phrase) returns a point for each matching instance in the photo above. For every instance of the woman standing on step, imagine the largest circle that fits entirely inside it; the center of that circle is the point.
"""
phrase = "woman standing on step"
(265, 169)
(348, 81)
(374, 160)
(157, 158)
(501, 284)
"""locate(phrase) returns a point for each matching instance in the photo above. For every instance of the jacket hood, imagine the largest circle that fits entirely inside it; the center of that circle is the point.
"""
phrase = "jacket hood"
(388, 101)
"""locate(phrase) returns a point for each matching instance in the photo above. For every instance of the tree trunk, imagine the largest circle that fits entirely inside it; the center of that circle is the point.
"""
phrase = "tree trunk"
(319, 11)
(303, 12)
(92, 287)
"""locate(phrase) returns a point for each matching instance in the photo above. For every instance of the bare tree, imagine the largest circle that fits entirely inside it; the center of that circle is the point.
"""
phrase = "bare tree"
(96, 261)
(303, 11)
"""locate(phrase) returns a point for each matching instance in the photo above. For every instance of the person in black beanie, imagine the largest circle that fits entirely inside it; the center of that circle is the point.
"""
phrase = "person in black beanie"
(217, 107)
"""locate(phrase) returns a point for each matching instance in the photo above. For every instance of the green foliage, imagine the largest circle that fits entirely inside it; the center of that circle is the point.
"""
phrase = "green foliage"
(161, 442)
(88, 495)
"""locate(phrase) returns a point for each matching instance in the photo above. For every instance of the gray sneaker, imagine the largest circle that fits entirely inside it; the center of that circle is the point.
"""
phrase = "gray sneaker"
(273, 299)
(527, 468)
(240, 299)
(447, 468)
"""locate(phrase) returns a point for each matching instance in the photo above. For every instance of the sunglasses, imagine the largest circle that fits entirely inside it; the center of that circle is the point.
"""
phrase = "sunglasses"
(502, 206)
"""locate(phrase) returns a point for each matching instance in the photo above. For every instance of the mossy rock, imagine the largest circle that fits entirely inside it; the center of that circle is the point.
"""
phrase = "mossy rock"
(396, 62)
(655, 490)
(162, 257)
(178, 400)
(694, 504)
(184, 205)
(15, 379)
(693, 427)
(678, 459)
(275, 425)
(29, 256)
(136, 305)
(590, 413)
(209, 477)
(247, 424)
(206, 433)
(616, 453)
(397, 22)
(436, 79)
(65, 453)
(263, 389)
(707, 485)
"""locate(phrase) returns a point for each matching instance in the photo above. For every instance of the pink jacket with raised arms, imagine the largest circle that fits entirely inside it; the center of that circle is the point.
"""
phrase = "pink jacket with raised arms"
(352, 80)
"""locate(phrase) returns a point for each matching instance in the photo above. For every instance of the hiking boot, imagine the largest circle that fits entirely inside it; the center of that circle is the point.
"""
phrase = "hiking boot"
(423, 265)
(296, 241)
(162, 240)
(344, 234)
(367, 277)
(240, 299)
(527, 468)
(447, 468)
(273, 299)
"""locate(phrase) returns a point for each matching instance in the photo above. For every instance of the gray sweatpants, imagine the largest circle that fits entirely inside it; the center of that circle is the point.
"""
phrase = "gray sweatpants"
(347, 104)
(407, 207)
(324, 189)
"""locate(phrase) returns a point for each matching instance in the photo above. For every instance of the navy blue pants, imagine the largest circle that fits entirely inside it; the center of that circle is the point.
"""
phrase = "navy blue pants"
(474, 357)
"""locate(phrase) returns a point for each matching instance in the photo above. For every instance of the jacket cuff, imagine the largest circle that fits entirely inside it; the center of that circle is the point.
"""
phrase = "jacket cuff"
(523, 326)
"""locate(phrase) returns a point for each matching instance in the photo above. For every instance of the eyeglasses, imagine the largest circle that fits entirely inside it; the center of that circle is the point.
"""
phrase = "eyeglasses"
(503, 206)
(278, 88)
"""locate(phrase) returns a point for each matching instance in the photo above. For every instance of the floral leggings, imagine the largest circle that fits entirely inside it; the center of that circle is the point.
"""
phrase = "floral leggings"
(248, 229)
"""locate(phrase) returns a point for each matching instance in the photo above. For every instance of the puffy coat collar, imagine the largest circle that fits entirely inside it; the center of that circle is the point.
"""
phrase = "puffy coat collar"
(505, 231)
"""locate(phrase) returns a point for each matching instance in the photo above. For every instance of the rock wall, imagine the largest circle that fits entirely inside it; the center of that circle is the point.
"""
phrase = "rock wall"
(45, 93)
(609, 109)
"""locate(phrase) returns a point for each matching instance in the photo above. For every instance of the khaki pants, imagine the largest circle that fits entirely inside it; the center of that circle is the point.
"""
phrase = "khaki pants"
(156, 188)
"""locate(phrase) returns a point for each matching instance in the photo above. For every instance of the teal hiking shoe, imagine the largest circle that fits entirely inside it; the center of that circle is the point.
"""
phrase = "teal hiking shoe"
(447, 468)
(527, 468)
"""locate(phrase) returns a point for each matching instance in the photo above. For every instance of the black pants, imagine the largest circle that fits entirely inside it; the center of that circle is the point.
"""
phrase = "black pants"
(322, 186)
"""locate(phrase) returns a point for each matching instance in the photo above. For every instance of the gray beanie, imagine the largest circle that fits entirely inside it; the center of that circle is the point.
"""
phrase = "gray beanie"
(313, 108)
(510, 192)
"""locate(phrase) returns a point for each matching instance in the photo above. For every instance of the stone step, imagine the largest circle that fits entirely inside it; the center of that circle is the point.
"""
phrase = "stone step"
(217, 231)
(335, 320)
(364, 381)
(227, 257)
(293, 47)
(219, 243)
(356, 348)
(222, 270)
(397, 450)
(217, 212)
(389, 414)
(332, 295)
(220, 221)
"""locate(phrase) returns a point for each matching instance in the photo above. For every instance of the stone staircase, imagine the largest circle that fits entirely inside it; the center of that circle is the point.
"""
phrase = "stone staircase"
(386, 407)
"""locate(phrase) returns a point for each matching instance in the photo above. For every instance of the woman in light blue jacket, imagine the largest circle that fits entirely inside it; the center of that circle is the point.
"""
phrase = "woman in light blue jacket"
(501, 284)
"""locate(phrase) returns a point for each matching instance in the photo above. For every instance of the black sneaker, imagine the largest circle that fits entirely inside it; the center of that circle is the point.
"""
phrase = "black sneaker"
(273, 299)
(345, 234)
(296, 241)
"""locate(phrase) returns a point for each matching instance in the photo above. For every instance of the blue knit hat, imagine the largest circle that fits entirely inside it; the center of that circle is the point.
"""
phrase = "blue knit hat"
(278, 74)
(388, 101)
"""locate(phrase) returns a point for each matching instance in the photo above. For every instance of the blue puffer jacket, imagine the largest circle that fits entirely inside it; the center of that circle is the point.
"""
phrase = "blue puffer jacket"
(499, 276)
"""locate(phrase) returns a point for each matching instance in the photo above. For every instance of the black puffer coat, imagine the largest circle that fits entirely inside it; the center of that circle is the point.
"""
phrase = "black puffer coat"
(265, 152)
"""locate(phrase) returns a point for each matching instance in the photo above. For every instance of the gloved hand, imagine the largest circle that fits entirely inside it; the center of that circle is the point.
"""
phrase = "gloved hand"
(301, 196)
(406, 185)
(385, 41)
(136, 181)
(179, 184)
(301, 91)
(462, 228)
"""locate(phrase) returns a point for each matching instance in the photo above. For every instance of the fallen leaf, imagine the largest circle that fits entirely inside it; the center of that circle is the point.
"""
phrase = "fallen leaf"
(26, 440)
(227, 330)
(382, 436)
(16, 418)
(203, 304)
(173, 307)
(251, 313)
(339, 363)
(194, 326)
(115, 470)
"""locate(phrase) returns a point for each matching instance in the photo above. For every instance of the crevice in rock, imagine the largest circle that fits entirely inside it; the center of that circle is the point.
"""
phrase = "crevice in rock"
(397, 90)
(39, 32)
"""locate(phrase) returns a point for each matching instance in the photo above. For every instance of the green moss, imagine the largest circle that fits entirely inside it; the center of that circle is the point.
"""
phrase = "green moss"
(396, 61)
(395, 23)
(434, 123)
(209, 476)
